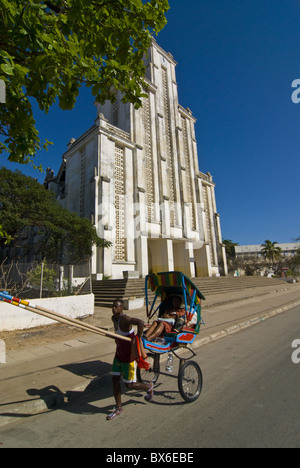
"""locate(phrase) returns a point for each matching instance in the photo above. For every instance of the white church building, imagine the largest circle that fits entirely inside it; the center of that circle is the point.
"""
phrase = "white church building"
(135, 174)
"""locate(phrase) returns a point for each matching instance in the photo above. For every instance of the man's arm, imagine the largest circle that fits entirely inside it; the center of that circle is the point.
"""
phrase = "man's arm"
(139, 323)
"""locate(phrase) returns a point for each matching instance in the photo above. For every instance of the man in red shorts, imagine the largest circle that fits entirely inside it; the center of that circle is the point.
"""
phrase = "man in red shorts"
(124, 362)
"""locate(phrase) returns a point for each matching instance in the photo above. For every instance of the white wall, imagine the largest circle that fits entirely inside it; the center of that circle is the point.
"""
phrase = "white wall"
(16, 318)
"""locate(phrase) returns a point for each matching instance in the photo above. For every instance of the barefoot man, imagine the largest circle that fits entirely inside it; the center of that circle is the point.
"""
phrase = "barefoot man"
(124, 364)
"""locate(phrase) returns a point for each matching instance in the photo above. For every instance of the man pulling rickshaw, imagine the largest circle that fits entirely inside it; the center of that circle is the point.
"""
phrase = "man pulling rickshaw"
(178, 323)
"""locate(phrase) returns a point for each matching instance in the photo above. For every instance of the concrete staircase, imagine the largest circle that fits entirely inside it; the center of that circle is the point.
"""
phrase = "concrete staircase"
(107, 291)
(219, 285)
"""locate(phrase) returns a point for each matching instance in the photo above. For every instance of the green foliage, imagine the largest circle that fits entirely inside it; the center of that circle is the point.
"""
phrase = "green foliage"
(48, 49)
(47, 274)
(271, 251)
(5, 238)
(25, 203)
(229, 248)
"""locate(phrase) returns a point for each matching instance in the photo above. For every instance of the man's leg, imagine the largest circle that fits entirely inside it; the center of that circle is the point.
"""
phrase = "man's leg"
(117, 394)
(139, 386)
(151, 329)
(117, 390)
(149, 388)
(132, 384)
(116, 380)
(159, 328)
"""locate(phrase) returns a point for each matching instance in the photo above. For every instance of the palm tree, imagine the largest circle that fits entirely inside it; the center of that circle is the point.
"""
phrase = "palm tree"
(270, 250)
(229, 247)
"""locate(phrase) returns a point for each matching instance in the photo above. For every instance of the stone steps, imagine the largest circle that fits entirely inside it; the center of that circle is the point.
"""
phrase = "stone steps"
(108, 290)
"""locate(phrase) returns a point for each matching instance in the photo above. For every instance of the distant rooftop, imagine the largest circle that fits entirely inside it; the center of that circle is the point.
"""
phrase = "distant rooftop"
(256, 249)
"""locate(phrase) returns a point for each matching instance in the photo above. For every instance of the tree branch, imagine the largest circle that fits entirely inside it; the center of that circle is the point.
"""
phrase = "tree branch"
(54, 8)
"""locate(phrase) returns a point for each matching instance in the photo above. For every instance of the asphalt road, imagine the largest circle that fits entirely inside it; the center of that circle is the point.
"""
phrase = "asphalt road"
(250, 398)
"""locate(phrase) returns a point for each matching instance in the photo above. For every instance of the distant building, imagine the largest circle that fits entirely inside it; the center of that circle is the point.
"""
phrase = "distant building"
(288, 250)
(135, 174)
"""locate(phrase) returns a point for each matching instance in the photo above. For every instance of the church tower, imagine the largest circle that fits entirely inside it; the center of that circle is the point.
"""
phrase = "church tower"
(135, 173)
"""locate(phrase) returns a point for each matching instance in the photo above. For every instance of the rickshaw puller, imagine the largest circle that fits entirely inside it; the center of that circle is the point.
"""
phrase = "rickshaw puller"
(124, 362)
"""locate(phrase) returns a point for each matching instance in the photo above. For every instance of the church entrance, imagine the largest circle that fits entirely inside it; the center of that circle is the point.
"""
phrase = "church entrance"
(180, 257)
(170, 255)
(184, 258)
(160, 255)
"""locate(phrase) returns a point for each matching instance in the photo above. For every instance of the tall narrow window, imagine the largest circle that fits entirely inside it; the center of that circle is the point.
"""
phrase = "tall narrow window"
(169, 155)
(208, 223)
(82, 183)
(148, 160)
(188, 173)
(120, 245)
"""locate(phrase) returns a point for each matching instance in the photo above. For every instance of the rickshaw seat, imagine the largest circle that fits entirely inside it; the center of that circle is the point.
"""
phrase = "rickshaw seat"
(184, 329)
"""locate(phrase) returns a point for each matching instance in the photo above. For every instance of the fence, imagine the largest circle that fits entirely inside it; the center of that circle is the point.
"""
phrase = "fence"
(37, 280)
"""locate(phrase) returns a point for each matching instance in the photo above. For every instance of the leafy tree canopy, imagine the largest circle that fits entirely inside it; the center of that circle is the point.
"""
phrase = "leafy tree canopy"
(26, 203)
(271, 250)
(230, 248)
(48, 49)
(4, 237)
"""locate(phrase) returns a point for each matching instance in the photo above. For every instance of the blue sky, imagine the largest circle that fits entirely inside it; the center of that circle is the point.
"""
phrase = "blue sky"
(237, 60)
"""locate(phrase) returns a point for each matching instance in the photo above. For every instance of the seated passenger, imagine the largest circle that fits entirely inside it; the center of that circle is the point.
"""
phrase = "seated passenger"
(171, 320)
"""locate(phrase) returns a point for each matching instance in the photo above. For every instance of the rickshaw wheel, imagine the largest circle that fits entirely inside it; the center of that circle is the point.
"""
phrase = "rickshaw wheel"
(190, 381)
(151, 375)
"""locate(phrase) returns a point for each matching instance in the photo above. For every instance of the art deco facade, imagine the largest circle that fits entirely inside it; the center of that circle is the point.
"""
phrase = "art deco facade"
(135, 174)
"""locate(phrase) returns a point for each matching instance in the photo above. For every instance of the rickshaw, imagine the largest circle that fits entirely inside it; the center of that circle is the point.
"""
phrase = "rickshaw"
(165, 286)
